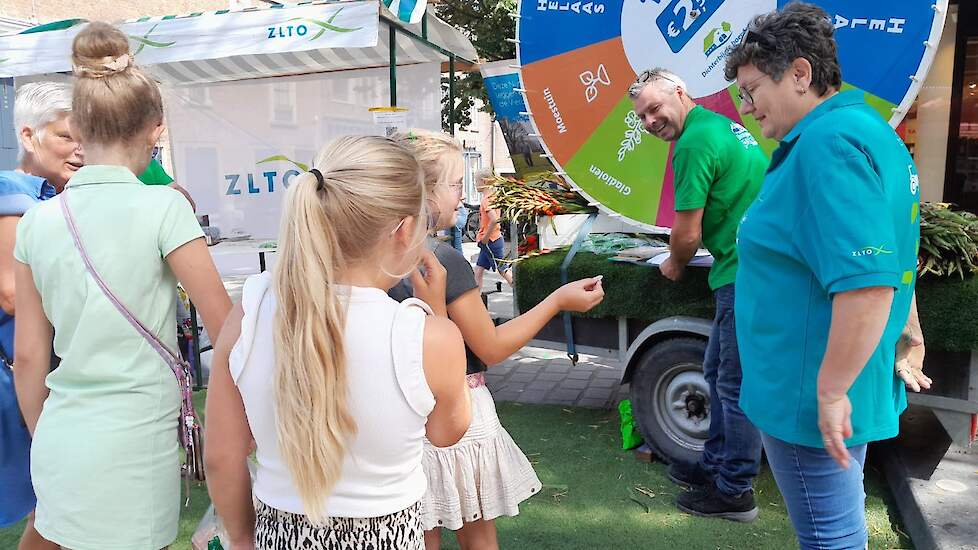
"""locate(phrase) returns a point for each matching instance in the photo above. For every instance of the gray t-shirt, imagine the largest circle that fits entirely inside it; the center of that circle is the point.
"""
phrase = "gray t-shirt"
(459, 279)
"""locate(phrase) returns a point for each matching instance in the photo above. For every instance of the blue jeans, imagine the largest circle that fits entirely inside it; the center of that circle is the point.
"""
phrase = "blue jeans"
(733, 451)
(461, 216)
(826, 503)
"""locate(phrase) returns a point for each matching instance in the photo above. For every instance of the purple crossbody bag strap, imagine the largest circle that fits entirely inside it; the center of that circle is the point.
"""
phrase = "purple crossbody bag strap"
(188, 417)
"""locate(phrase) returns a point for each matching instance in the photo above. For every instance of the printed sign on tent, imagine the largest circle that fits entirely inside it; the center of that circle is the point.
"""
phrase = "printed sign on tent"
(391, 119)
(297, 29)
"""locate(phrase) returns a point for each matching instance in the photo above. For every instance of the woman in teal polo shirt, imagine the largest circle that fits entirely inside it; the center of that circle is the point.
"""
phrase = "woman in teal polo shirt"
(825, 286)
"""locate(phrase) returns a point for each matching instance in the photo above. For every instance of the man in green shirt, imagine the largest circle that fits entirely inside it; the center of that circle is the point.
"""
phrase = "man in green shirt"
(718, 168)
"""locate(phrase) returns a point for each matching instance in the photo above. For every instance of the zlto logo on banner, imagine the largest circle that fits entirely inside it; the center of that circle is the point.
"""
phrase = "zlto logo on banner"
(247, 183)
(689, 37)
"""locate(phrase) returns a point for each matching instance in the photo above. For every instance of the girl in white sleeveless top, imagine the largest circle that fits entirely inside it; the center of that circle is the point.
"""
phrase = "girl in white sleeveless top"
(337, 383)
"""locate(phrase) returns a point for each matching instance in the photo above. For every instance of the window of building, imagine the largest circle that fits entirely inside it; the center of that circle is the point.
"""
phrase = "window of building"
(199, 96)
(283, 103)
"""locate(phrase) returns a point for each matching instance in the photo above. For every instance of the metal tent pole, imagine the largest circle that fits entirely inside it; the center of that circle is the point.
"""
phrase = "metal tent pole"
(393, 64)
(451, 93)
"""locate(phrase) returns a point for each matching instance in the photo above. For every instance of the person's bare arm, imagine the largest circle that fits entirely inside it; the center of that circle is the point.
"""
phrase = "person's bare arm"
(227, 442)
(684, 241)
(32, 347)
(8, 235)
(194, 268)
(858, 320)
(494, 220)
(444, 368)
(909, 362)
(185, 193)
(493, 344)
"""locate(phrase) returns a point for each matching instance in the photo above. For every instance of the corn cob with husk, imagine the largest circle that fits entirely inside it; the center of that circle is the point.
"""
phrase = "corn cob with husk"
(543, 194)
(948, 241)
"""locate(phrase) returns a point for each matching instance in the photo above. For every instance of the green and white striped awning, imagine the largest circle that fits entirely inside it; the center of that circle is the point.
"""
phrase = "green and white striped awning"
(252, 43)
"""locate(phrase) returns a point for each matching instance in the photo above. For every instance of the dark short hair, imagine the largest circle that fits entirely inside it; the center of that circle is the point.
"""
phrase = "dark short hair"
(774, 40)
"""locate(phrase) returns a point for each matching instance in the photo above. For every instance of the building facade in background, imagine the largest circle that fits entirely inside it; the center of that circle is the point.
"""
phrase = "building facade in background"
(36, 12)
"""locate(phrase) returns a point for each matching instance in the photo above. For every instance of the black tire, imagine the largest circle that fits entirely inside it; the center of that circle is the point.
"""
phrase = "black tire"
(472, 225)
(671, 400)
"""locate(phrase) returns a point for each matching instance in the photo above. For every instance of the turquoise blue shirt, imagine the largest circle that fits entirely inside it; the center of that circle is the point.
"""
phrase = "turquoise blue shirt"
(838, 211)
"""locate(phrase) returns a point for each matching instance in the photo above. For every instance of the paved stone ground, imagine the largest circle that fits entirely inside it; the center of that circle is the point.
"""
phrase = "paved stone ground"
(539, 375)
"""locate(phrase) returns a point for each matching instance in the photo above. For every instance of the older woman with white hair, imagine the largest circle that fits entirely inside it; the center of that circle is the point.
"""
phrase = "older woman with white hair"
(48, 156)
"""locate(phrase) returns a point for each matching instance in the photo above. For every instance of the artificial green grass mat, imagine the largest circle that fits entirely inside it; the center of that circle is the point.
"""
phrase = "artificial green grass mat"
(631, 291)
(597, 496)
(948, 306)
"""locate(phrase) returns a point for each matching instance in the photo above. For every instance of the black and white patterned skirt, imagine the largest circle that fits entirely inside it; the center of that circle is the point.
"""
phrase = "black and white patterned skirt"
(278, 530)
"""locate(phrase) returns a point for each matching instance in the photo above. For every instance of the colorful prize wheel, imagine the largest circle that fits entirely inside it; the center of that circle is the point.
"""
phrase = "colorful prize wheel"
(578, 58)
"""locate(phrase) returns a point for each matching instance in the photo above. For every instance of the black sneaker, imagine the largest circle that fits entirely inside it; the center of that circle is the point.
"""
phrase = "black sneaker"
(712, 503)
(690, 475)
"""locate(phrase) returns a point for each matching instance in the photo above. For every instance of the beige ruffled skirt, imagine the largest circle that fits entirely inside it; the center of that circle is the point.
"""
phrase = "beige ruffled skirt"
(483, 476)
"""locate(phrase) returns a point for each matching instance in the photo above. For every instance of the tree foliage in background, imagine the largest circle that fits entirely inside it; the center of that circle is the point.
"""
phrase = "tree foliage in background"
(487, 23)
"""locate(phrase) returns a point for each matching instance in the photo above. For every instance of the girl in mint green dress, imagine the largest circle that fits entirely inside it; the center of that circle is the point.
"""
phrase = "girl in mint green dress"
(105, 456)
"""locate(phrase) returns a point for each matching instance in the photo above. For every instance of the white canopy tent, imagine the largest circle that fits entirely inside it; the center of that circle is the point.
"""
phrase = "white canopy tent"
(227, 45)
(251, 95)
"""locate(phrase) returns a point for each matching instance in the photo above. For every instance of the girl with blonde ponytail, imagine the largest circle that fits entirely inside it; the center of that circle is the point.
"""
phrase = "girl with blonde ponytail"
(337, 383)
(105, 456)
(485, 475)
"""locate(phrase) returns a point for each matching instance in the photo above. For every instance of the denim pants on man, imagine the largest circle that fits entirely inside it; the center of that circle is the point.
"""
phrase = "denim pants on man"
(733, 451)
(826, 504)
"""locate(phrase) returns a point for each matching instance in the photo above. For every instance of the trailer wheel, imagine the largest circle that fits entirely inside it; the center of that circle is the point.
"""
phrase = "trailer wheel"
(671, 399)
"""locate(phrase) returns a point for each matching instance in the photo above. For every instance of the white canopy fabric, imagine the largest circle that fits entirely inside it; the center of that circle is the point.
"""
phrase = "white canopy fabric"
(254, 43)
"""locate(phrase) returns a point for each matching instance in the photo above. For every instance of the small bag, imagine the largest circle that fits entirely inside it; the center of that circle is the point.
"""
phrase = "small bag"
(630, 438)
(188, 426)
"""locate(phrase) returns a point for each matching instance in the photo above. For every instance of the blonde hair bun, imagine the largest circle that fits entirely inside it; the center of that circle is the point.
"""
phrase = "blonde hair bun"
(100, 50)
(113, 100)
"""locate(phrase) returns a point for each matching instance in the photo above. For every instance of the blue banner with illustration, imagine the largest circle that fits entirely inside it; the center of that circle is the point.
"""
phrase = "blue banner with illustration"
(501, 81)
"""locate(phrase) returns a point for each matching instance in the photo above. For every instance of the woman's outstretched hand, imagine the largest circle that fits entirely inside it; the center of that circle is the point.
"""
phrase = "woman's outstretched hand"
(580, 296)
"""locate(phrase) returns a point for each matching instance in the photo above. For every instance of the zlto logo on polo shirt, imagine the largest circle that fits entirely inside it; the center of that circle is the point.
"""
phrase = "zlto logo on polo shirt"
(689, 37)
(871, 251)
(745, 137)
